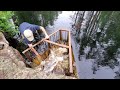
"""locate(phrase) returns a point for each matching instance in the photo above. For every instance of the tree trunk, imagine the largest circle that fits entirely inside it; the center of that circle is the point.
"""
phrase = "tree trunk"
(93, 23)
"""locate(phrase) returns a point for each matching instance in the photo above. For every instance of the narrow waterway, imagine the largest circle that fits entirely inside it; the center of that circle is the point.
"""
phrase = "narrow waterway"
(84, 66)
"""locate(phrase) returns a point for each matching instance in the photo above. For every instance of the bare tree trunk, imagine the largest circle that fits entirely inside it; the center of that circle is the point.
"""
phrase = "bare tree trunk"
(92, 23)
(76, 17)
(88, 22)
(97, 24)
(80, 20)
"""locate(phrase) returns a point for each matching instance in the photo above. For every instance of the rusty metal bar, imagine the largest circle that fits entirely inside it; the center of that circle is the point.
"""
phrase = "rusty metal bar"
(70, 55)
(65, 46)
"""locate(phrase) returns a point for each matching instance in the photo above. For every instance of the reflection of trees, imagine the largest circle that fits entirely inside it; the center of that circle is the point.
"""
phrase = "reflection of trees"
(37, 17)
(27, 16)
(101, 32)
(48, 17)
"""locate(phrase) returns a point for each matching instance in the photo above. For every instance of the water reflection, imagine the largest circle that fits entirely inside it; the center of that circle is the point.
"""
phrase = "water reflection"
(37, 17)
(48, 17)
(87, 68)
(63, 21)
(102, 66)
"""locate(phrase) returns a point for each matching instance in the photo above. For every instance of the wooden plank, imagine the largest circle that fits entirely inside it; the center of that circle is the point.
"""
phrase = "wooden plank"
(65, 46)
(70, 55)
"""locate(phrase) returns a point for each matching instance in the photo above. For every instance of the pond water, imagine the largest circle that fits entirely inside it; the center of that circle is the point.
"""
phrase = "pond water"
(84, 66)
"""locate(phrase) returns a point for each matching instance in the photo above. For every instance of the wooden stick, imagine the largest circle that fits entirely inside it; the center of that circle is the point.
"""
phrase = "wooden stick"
(70, 55)
(56, 44)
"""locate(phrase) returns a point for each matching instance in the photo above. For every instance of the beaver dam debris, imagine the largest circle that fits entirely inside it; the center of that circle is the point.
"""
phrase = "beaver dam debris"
(10, 70)
(57, 62)
(12, 67)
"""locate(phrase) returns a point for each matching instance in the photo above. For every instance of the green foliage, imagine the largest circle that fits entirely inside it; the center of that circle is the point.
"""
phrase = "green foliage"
(5, 24)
